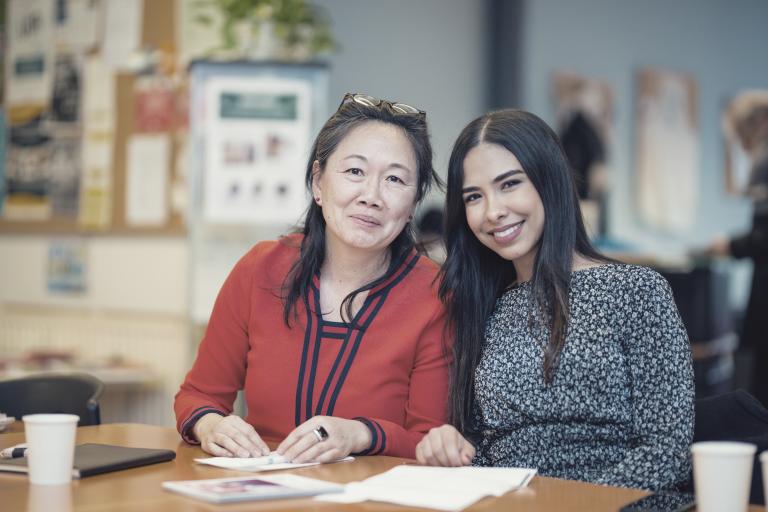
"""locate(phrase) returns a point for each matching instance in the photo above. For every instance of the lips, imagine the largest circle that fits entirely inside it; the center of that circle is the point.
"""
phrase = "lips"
(506, 234)
(366, 220)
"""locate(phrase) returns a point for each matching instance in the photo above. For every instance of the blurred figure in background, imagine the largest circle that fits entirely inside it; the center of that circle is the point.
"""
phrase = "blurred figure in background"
(430, 230)
(747, 120)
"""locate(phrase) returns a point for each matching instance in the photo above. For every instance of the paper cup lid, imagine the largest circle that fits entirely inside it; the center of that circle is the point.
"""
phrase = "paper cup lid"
(723, 448)
(50, 418)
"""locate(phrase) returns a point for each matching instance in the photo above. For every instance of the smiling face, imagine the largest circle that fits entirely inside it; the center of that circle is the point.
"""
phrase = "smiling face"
(367, 190)
(503, 208)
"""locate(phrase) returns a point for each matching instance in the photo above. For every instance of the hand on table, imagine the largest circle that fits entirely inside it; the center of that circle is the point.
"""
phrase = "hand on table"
(228, 436)
(444, 446)
(344, 437)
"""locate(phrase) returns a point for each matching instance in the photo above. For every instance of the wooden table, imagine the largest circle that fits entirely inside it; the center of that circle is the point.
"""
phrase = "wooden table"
(139, 489)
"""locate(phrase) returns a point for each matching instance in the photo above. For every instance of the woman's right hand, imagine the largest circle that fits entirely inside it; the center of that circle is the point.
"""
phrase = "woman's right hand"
(444, 446)
(228, 436)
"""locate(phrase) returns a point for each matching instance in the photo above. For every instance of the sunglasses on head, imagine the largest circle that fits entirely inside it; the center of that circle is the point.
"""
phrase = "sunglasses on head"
(370, 101)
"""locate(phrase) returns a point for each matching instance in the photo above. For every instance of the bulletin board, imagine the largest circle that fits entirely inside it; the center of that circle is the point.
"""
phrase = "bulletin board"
(128, 173)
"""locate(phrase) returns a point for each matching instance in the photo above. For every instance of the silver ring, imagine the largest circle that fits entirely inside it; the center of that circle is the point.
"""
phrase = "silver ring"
(320, 433)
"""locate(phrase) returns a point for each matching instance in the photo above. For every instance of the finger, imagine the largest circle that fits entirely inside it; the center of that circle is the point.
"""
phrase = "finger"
(247, 445)
(223, 440)
(427, 452)
(306, 442)
(420, 453)
(215, 450)
(468, 452)
(330, 455)
(438, 450)
(295, 436)
(250, 438)
(313, 452)
(453, 448)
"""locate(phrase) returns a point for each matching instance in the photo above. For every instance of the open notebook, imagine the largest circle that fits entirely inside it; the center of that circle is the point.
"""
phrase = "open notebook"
(94, 459)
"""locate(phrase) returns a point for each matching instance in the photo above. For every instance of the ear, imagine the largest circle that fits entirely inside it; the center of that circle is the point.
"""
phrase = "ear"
(316, 188)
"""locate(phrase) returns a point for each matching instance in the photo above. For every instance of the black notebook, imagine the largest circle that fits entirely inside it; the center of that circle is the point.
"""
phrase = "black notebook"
(94, 459)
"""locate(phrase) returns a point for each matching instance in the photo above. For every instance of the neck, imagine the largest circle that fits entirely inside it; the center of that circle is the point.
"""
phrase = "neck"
(352, 267)
(524, 267)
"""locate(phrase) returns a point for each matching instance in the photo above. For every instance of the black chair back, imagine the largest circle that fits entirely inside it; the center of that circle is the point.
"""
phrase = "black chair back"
(70, 393)
(734, 416)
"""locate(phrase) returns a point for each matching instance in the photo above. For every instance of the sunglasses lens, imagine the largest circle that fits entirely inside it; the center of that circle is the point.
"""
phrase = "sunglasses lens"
(368, 101)
(405, 109)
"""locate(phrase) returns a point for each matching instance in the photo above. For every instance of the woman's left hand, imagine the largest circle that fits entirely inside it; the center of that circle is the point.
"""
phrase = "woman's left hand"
(344, 437)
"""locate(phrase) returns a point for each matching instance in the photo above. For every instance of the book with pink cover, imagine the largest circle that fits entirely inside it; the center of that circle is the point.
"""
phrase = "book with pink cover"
(225, 490)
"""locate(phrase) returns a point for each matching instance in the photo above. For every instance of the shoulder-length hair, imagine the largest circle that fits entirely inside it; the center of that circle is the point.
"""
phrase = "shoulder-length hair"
(312, 252)
(473, 277)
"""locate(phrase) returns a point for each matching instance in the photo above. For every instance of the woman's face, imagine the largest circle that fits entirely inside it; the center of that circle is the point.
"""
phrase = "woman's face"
(367, 190)
(503, 208)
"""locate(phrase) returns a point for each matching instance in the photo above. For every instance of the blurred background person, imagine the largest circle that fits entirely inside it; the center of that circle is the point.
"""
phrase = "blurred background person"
(747, 121)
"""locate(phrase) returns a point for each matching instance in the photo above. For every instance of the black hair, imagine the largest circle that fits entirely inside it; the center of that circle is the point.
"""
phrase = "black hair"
(473, 276)
(312, 252)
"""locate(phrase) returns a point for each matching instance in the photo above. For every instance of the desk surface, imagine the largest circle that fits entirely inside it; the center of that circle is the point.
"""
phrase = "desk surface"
(139, 489)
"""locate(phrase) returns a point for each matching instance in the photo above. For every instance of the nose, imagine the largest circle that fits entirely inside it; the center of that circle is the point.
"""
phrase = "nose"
(370, 194)
(495, 210)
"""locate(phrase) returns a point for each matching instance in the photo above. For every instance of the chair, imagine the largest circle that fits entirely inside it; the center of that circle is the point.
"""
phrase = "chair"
(734, 416)
(70, 393)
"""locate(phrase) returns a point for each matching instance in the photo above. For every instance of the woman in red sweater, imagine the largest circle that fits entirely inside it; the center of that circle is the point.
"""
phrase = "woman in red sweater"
(335, 333)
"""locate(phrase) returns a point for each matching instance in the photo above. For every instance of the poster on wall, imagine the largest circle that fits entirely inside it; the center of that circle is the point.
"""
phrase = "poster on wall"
(67, 266)
(584, 112)
(745, 138)
(29, 76)
(667, 150)
(257, 140)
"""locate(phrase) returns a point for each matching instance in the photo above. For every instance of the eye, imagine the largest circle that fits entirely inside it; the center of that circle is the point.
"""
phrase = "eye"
(395, 179)
(469, 198)
(354, 171)
(510, 184)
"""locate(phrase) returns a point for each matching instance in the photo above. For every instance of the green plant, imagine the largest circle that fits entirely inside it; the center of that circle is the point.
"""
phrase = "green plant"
(298, 25)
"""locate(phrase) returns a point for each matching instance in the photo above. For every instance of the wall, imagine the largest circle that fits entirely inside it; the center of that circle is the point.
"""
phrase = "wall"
(722, 44)
(430, 53)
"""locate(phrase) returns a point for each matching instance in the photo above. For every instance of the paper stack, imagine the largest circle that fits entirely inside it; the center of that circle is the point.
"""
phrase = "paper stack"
(270, 462)
(433, 487)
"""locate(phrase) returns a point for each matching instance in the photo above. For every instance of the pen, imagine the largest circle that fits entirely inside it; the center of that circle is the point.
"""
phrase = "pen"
(14, 452)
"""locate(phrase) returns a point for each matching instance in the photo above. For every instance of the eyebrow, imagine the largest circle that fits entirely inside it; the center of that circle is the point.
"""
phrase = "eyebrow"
(500, 177)
(394, 164)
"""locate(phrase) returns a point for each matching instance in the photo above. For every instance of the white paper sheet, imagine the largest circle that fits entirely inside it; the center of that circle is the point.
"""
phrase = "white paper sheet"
(270, 462)
(98, 114)
(29, 67)
(147, 180)
(122, 32)
(78, 27)
(431, 487)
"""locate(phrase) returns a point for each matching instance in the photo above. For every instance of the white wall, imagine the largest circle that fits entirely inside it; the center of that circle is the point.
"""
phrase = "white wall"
(136, 274)
(428, 53)
(721, 43)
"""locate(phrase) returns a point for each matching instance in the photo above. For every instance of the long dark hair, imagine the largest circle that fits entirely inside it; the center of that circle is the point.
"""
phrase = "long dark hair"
(312, 253)
(473, 276)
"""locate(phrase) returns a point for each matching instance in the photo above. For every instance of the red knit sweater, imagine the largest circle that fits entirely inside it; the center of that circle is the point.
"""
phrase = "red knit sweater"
(391, 373)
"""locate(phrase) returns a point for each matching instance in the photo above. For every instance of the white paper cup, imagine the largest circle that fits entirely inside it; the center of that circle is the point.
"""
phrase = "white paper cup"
(764, 464)
(47, 498)
(722, 473)
(50, 447)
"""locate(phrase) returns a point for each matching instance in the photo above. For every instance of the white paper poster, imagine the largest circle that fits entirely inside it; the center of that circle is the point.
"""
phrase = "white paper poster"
(122, 32)
(98, 114)
(257, 138)
(30, 31)
(77, 24)
(667, 160)
(147, 180)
